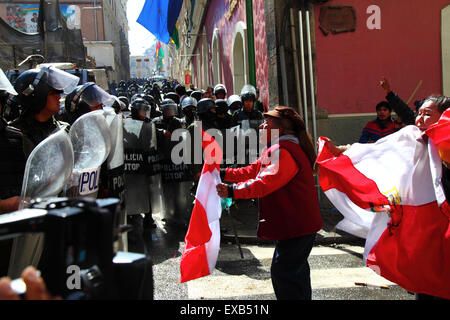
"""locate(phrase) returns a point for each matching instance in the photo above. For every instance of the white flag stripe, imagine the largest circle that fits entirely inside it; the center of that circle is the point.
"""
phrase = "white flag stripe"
(397, 163)
(207, 195)
(213, 245)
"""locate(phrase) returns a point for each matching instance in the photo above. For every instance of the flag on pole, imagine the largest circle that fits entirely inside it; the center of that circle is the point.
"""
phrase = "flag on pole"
(202, 239)
(159, 17)
(174, 37)
(390, 193)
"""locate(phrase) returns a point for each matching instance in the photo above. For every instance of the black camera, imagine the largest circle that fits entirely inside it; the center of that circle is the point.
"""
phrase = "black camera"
(78, 259)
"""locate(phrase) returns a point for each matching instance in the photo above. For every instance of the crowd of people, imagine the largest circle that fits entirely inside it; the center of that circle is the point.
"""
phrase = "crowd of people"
(283, 185)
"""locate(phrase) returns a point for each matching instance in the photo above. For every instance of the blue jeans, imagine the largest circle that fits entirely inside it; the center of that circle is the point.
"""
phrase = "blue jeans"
(290, 269)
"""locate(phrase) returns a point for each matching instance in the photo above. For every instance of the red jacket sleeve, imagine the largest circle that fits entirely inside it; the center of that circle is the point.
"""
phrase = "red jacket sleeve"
(244, 173)
(269, 179)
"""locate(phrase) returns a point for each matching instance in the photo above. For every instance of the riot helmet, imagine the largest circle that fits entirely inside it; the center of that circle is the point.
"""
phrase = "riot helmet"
(180, 90)
(117, 105)
(189, 102)
(124, 100)
(234, 102)
(86, 98)
(197, 94)
(140, 109)
(220, 92)
(169, 108)
(7, 93)
(5, 85)
(248, 97)
(248, 92)
(34, 85)
(204, 105)
(173, 96)
(221, 106)
(149, 98)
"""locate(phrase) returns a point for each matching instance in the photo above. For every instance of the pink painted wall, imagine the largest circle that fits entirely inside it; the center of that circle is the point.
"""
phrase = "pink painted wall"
(261, 60)
(405, 50)
(217, 17)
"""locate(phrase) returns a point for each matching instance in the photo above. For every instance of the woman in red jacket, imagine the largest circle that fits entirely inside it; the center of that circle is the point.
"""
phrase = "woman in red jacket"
(282, 179)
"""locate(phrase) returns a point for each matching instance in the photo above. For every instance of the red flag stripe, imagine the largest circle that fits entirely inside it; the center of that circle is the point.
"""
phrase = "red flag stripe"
(340, 174)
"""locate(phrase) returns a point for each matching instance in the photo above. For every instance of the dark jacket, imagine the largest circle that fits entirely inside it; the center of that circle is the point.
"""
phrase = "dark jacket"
(401, 109)
(12, 161)
(34, 131)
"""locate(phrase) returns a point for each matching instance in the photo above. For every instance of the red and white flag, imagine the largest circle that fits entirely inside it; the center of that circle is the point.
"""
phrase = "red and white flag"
(202, 241)
(390, 193)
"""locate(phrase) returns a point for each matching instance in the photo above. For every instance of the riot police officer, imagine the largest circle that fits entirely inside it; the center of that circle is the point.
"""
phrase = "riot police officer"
(248, 112)
(206, 112)
(168, 121)
(234, 103)
(224, 119)
(39, 92)
(189, 105)
(140, 110)
(86, 98)
(220, 91)
(154, 112)
(197, 94)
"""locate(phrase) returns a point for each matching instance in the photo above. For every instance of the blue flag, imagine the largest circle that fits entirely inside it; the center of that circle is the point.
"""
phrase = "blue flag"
(159, 17)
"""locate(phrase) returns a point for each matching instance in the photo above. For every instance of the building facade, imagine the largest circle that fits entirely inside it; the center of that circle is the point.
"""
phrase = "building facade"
(103, 25)
(214, 47)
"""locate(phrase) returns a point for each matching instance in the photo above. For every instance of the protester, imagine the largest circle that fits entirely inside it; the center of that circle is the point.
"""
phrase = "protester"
(404, 112)
(382, 126)
(282, 179)
(429, 113)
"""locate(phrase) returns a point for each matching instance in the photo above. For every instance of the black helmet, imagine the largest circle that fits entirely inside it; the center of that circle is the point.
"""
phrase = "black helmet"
(220, 88)
(124, 100)
(168, 107)
(137, 105)
(34, 85)
(188, 102)
(197, 94)
(149, 99)
(173, 96)
(221, 106)
(180, 90)
(248, 92)
(85, 97)
(204, 105)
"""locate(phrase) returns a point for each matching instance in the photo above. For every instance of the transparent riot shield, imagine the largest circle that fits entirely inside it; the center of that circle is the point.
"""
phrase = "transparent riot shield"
(91, 140)
(115, 168)
(47, 170)
(137, 136)
(176, 180)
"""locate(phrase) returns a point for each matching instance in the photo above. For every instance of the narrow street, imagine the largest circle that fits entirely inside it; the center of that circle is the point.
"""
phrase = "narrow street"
(335, 270)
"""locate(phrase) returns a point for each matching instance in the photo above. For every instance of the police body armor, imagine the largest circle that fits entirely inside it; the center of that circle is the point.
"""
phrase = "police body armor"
(47, 171)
